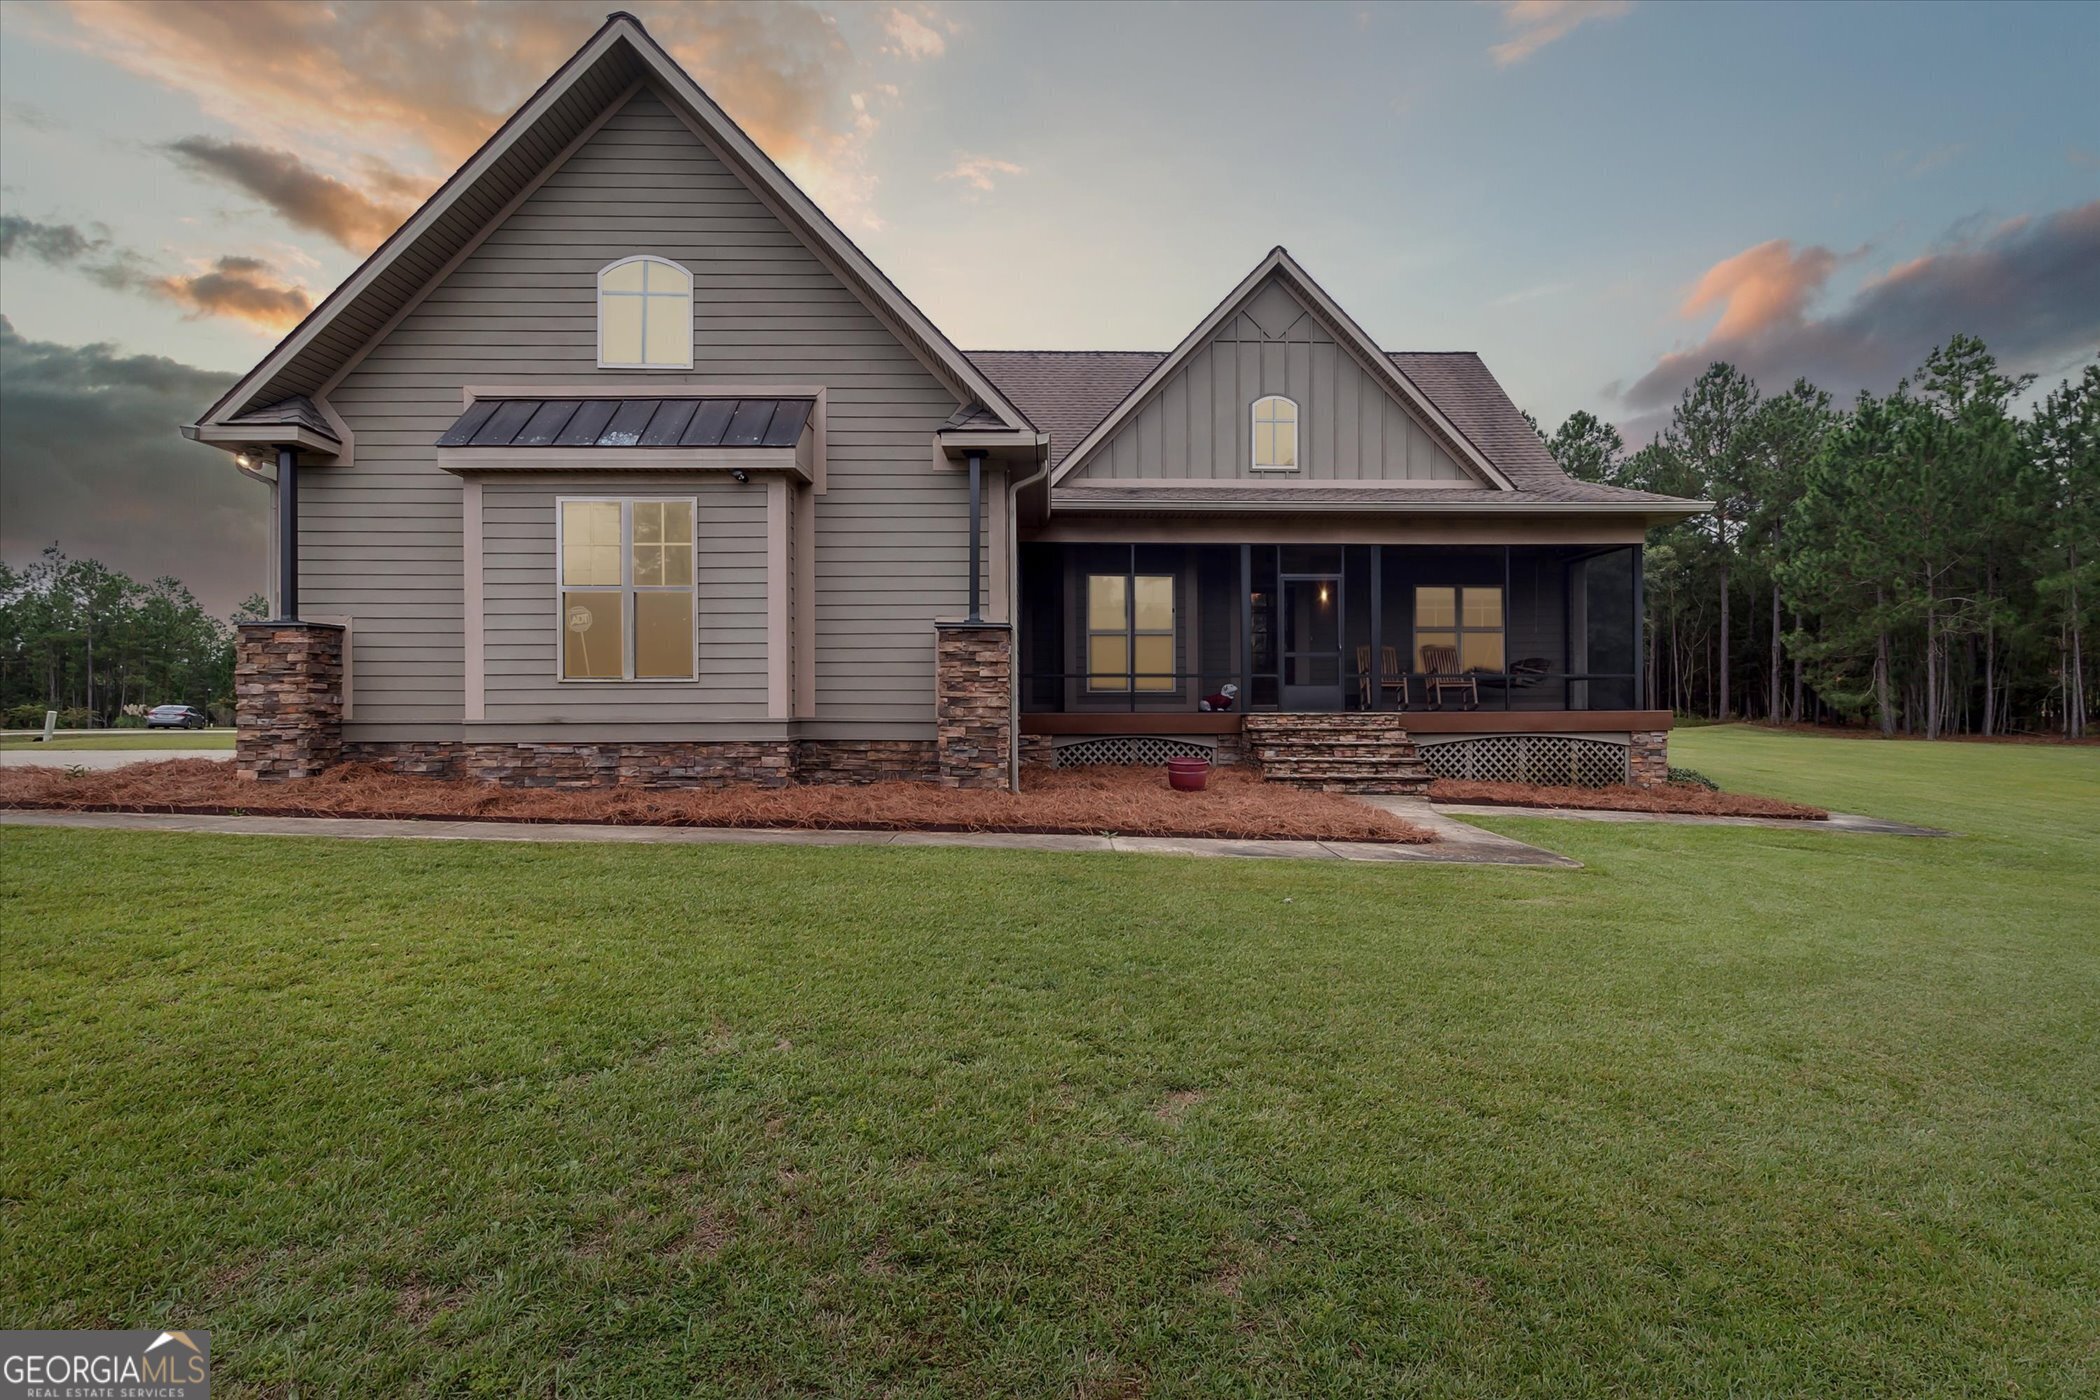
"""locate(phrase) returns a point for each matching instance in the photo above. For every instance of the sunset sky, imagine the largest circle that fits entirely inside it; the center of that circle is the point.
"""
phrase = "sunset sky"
(1597, 198)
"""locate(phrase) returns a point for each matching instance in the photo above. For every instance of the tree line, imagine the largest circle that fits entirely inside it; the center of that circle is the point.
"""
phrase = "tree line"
(1927, 561)
(88, 641)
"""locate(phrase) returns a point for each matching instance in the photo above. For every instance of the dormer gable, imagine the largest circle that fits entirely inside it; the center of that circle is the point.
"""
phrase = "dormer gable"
(1278, 385)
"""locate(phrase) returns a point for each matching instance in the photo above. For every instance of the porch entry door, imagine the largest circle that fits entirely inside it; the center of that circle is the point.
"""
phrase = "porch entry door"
(1312, 642)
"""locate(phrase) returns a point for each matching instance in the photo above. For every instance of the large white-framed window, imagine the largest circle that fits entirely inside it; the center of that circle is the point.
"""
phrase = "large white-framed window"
(1275, 434)
(645, 314)
(625, 587)
(1129, 632)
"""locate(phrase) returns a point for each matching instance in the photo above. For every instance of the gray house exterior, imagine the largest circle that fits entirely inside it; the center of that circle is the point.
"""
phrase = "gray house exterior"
(619, 462)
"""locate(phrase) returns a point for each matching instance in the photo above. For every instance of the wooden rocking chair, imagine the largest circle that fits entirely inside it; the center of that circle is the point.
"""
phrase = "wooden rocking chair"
(1390, 676)
(1441, 674)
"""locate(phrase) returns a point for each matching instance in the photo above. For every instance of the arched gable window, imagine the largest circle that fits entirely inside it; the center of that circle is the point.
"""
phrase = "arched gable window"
(645, 315)
(1275, 434)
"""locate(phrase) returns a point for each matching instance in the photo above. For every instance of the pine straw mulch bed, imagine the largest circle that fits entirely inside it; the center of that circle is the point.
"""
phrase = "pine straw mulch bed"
(1081, 801)
(1687, 798)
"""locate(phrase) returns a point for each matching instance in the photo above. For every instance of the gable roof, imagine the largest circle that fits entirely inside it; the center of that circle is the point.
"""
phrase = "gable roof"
(1068, 393)
(1282, 266)
(570, 105)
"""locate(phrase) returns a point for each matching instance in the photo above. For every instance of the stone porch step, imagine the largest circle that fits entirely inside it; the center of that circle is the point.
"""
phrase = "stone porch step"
(1336, 752)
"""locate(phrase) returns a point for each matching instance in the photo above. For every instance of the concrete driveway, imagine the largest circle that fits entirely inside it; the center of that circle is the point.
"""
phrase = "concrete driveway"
(99, 759)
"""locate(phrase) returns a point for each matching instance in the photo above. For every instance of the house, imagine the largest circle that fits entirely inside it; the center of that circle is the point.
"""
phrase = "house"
(620, 462)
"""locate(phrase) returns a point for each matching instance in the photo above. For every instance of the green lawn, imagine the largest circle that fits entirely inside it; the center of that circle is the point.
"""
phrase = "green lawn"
(123, 739)
(1731, 1111)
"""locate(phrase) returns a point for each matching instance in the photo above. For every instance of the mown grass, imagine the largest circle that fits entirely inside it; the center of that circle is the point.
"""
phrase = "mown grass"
(125, 739)
(1729, 1111)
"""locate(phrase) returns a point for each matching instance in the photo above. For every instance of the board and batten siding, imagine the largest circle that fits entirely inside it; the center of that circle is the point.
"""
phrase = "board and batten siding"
(1197, 425)
(382, 541)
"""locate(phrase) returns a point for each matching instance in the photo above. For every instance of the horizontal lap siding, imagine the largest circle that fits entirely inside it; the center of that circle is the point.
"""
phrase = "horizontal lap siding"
(383, 541)
(521, 620)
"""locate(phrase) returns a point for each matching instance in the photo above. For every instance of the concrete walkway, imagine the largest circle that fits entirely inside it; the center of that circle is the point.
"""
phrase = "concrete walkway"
(100, 760)
(1458, 844)
(1838, 821)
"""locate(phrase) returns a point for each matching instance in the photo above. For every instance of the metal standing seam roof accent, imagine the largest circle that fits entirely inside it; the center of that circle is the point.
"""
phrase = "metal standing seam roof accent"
(685, 422)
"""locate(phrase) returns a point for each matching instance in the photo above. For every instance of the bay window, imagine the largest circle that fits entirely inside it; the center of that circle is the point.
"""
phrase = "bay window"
(626, 585)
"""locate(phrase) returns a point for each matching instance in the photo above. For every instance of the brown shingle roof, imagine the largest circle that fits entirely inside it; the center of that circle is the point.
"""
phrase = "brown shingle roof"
(1067, 392)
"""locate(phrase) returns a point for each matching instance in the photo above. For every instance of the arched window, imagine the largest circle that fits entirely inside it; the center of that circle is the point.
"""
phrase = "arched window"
(1275, 434)
(645, 315)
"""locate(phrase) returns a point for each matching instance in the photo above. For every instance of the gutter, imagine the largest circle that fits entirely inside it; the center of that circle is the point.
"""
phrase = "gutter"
(1198, 506)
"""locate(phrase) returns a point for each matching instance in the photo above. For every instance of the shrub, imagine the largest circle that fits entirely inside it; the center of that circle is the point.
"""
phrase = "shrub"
(127, 722)
(1694, 778)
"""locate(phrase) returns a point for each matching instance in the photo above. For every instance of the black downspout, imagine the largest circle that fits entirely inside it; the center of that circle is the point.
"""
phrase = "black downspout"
(976, 533)
(288, 534)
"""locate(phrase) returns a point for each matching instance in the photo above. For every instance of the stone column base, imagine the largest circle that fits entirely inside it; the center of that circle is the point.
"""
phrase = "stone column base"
(1648, 757)
(287, 699)
(973, 704)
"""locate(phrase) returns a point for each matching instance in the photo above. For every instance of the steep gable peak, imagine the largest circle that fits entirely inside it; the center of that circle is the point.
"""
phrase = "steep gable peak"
(615, 63)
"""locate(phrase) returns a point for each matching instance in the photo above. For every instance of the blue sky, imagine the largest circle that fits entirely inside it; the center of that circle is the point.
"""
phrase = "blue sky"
(1848, 183)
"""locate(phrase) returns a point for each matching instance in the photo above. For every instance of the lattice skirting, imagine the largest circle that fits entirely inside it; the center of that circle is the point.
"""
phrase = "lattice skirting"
(1141, 750)
(1529, 758)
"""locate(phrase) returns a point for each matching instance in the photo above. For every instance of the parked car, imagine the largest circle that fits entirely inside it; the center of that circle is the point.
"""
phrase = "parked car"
(176, 717)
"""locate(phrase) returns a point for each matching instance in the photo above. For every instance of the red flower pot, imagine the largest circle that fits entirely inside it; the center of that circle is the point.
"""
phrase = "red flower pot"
(1188, 774)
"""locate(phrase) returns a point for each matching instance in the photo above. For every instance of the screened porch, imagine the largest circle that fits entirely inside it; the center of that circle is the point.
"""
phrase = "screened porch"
(1158, 629)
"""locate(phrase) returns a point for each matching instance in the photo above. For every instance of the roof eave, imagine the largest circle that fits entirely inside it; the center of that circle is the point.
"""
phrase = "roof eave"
(240, 438)
(1500, 506)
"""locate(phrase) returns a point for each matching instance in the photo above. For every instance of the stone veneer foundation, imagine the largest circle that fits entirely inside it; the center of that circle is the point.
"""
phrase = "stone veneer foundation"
(669, 764)
(973, 704)
(1648, 757)
(287, 699)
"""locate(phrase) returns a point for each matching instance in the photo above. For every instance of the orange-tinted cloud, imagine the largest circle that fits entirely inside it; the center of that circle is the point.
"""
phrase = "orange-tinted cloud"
(419, 87)
(980, 173)
(242, 288)
(2030, 287)
(1533, 24)
(246, 289)
(1761, 287)
(301, 195)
